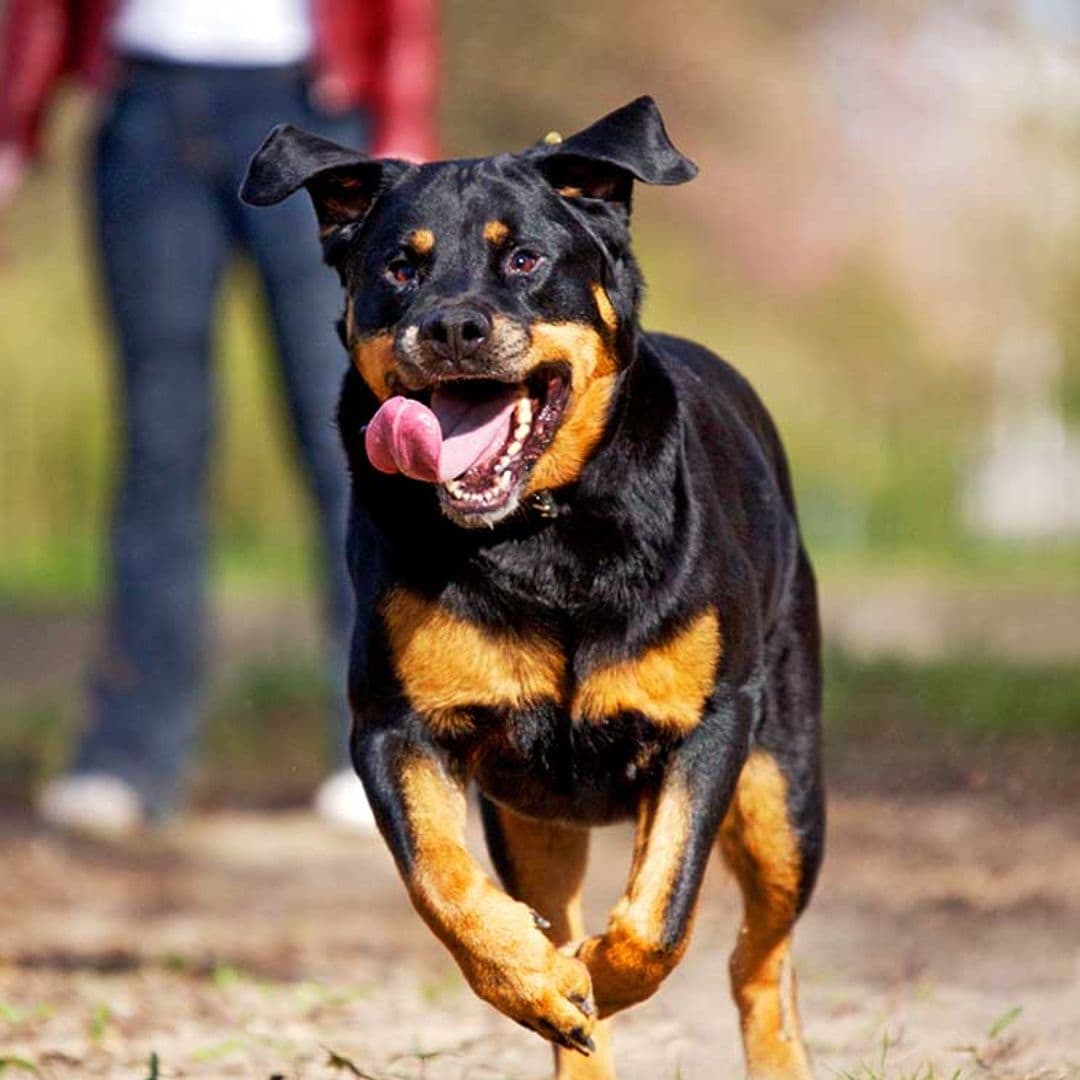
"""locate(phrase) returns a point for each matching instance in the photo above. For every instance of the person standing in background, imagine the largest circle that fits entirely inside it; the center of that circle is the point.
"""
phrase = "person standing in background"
(191, 87)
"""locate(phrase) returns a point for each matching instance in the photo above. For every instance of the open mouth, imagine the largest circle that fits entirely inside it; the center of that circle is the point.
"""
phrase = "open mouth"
(526, 417)
(478, 439)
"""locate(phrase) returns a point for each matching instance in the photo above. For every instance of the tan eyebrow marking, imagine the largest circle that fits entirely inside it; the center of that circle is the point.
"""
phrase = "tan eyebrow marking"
(495, 232)
(421, 241)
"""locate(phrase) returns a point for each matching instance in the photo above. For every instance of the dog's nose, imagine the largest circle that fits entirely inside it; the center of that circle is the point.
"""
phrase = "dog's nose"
(455, 333)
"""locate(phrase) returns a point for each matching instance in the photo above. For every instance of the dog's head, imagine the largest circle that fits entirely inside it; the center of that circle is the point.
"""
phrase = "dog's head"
(490, 303)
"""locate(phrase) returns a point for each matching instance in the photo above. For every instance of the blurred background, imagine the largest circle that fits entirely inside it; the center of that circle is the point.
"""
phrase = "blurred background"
(885, 238)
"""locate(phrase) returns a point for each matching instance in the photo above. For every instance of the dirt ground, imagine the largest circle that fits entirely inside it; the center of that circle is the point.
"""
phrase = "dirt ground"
(945, 934)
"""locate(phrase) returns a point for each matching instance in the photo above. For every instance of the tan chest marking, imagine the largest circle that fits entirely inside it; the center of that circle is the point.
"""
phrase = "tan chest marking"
(447, 664)
(667, 683)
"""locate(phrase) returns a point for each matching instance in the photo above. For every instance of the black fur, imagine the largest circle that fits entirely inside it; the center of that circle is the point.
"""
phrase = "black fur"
(685, 503)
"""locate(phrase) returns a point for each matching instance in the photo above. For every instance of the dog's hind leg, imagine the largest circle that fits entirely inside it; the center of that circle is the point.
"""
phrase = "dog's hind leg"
(761, 847)
(772, 839)
(542, 864)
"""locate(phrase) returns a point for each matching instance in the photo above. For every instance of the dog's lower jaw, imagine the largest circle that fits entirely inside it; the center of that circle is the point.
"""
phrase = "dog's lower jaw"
(478, 519)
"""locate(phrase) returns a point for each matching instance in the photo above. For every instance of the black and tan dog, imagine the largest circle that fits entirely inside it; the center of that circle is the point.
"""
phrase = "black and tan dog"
(591, 598)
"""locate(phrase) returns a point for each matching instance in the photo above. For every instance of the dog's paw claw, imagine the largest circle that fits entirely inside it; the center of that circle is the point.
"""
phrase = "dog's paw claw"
(539, 921)
(585, 1004)
(576, 1039)
(582, 1042)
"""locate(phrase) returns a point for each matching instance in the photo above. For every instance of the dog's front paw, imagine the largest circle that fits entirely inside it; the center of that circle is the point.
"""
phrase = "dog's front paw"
(516, 968)
(625, 966)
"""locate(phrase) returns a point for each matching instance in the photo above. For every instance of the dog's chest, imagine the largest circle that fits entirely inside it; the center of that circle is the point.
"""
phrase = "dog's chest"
(454, 672)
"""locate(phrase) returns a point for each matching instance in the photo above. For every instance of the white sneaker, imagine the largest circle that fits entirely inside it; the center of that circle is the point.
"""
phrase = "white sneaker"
(341, 801)
(91, 802)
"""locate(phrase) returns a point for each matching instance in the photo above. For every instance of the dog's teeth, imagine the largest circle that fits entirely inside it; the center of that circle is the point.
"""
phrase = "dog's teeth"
(520, 432)
(514, 447)
(500, 485)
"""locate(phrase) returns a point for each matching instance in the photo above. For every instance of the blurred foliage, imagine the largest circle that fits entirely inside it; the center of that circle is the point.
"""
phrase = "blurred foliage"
(970, 695)
(851, 277)
(266, 739)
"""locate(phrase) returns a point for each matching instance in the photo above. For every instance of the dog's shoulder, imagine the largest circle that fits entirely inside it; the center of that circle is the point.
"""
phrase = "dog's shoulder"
(724, 413)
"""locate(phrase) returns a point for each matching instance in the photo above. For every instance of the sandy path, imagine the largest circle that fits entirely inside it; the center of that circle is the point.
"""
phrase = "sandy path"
(247, 945)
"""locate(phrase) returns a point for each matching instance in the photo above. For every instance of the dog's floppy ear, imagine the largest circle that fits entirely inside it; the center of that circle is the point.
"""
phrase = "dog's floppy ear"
(602, 161)
(342, 183)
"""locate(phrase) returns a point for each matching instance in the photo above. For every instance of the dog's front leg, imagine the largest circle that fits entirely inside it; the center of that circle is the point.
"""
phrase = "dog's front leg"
(497, 941)
(677, 823)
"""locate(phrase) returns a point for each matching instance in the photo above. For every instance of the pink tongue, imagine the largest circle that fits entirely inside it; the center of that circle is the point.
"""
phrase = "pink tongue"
(442, 442)
(404, 436)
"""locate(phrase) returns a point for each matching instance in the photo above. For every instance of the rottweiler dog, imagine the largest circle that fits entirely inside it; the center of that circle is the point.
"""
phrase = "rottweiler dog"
(588, 593)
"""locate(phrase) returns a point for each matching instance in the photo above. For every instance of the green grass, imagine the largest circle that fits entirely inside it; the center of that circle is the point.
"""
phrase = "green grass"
(18, 1064)
(265, 740)
(993, 1045)
(882, 1072)
(882, 1069)
(34, 741)
(973, 696)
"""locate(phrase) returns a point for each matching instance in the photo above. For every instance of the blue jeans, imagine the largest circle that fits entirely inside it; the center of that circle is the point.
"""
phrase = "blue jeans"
(169, 159)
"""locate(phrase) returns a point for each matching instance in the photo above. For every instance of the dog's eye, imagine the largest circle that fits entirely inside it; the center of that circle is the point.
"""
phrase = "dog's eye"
(522, 261)
(401, 271)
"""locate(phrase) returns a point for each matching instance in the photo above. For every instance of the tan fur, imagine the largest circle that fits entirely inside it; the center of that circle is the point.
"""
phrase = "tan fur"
(503, 955)
(592, 367)
(496, 232)
(446, 664)
(667, 683)
(761, 848)
(548, 862)
(605, 308)
(373, 357)
(629, 960)
(577, 437)
(422, 241)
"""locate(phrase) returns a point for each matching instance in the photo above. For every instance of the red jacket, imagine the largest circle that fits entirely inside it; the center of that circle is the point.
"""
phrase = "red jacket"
(381, 54)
